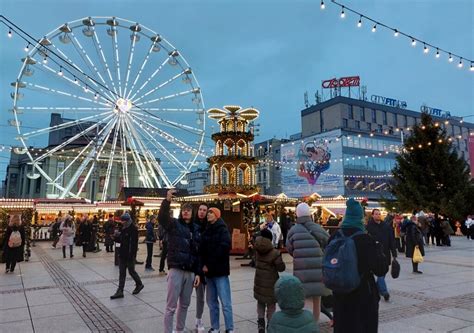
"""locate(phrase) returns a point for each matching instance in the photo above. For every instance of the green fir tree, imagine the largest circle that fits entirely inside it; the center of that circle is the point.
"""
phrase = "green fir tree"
(430, 175)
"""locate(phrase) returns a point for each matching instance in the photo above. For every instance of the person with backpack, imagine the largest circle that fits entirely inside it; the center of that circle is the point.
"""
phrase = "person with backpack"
(305, 243)
(268, 264)
(352, 258)
(382, 232)
(13, 243)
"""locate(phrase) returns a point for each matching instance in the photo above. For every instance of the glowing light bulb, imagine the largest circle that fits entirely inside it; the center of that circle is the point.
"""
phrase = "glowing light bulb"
(27, 47)
(45, 60)
(450, 59)
(472, 67)
(374, 28)
(60, 73)
(395, 33)
(413, 42)
(343, 13)
(323, 6)
(460, 64)
(359, 24)
(425, 49)
(437, 53)
(10, 33)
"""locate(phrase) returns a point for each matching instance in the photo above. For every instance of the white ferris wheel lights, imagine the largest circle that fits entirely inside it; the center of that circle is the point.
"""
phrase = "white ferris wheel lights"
(450, 59)
(45, 60)
(413, 42)
(359, 24)
(9, 33)
(437, 53)
(27, 47)
(395, 33)
(60, 73)
(343, 13)
(472, 67)
(460, 64)
(374, 28)
(425, 49)
(323, 5)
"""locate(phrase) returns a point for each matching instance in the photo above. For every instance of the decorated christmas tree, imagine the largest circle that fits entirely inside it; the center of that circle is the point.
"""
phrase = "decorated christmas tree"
(430, 175)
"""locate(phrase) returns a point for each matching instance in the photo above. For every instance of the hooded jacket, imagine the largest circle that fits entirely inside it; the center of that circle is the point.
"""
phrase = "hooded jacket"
(305, 242)
(214, 249)
(383, 233)
(183, 240)
(268, 264)
(292, 318)
(128, 241)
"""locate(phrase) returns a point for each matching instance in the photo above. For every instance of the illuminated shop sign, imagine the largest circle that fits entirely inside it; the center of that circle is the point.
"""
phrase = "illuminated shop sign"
(388, 101)
(435, 112)
(350, 81)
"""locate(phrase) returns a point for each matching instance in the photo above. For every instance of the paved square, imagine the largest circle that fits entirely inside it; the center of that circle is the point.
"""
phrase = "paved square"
(51, 294)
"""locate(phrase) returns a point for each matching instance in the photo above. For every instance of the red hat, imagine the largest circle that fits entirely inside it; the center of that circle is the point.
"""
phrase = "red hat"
(216, 211)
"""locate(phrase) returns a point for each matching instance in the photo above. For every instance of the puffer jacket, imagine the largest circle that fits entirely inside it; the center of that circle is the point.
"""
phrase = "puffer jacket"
(305, 242)
(268, 264)
(183, 241)
(215, 248)
(292, 318)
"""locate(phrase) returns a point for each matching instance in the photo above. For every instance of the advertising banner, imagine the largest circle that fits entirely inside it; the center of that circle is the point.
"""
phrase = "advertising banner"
(471, 154)
(309, 165)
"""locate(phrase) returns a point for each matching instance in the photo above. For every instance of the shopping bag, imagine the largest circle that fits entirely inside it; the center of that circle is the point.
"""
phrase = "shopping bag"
(395, 271)
(417, 257)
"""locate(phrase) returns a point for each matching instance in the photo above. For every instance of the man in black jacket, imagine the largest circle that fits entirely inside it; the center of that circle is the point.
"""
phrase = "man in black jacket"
(183, 261)
(383, 233)
(215, 248)
(127, 255)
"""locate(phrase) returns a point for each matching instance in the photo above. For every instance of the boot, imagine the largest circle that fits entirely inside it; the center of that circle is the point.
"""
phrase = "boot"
(261, 325)
(118, 294)
(137, 289)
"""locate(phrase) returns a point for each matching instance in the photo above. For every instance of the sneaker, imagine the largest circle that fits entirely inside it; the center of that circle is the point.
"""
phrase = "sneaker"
(199, 326)
(229, 331)
(138, 289)
(386, 297)
(118, 294)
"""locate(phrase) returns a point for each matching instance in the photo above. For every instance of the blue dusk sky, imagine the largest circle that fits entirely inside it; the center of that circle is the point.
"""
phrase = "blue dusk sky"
(266, 54)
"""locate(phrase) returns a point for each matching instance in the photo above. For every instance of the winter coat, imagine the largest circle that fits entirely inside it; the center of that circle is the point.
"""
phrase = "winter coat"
(84, 233)
(447, 229)
(14, 253)
(357, 311)
(109, 228)
(67, 236)
(200, 224)
(383, 233)
(215, 248)
(292, 318)
(55, 229)
(150, 232)
(424, 224)
(305, 242)
(128, 240)
(183, 241)
(268, 264)
(413, 237)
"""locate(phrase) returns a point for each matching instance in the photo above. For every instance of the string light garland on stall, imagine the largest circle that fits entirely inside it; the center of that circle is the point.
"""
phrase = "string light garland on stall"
(396, 33)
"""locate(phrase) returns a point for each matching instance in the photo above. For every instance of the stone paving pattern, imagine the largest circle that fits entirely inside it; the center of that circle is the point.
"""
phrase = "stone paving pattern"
(52, 294)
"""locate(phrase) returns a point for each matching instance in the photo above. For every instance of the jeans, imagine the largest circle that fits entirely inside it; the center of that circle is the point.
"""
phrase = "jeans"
(164, 253)
(149, 254)
(180, 288)
(218, 289)
(381, 285)
(125, 264)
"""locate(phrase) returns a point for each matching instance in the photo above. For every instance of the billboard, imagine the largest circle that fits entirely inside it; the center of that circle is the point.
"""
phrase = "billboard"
(471, 154)
(313, 165)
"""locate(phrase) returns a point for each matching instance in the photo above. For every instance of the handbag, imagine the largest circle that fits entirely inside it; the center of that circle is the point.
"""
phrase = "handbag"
(417, 257)
(395, 270)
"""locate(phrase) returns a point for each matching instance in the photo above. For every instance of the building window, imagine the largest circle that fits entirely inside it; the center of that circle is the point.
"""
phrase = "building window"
(357, 124)
(362, 114)
(374, 116)
(369, 126)
(385, 117)
(395, 119)
(379, 128)
(344, 123)
(351, 111)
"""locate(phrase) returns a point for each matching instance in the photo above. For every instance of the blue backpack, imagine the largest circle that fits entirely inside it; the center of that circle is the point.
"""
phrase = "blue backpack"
(340, 271)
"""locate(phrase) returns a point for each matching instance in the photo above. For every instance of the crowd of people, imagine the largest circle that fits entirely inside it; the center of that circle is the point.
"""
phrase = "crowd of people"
(196, 245)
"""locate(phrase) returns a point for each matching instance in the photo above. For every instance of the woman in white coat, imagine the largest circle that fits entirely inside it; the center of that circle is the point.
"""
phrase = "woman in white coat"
(68, 230)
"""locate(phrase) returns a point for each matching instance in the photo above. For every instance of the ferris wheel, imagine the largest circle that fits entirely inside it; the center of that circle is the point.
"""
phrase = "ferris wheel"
(104, 102)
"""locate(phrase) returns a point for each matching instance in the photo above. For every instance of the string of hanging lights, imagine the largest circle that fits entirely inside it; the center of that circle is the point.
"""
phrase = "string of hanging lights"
(450, 56)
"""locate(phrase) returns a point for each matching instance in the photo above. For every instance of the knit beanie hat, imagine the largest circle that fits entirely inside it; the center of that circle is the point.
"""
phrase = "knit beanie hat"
(216, 211)
(289, 293)
(266, 234)
(303, 210)
(125, 217)
(354, 217)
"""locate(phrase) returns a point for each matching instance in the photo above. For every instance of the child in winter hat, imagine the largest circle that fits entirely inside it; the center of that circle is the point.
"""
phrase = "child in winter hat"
(303, 210)
(292, 318)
